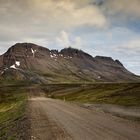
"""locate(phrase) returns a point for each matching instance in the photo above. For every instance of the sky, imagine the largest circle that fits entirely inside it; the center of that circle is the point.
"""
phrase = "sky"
(99, 27)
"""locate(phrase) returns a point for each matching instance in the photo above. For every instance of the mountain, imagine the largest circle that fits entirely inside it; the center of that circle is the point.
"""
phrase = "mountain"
(31, 62)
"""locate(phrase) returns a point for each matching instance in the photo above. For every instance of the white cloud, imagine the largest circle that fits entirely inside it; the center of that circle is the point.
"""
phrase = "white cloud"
(50, 15)
(68, 13)
(66, 40)
(41, 20)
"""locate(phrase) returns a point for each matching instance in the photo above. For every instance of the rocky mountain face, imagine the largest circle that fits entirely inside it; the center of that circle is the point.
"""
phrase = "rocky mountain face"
(27, 61)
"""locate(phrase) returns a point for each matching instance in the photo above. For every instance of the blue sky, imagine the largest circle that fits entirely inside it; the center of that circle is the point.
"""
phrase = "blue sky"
(99, 27)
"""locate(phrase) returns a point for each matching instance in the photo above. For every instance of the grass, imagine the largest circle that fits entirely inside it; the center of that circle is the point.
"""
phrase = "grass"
(126, 94)
(12, 108)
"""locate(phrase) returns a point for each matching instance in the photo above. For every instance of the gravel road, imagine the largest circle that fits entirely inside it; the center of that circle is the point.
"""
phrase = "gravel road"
(58, 120)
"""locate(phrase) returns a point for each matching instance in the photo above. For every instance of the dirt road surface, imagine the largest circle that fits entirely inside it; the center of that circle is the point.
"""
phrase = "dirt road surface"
(58, 120)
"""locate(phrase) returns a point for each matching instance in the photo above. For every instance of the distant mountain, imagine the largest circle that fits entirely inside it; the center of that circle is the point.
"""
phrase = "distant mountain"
(27, 61)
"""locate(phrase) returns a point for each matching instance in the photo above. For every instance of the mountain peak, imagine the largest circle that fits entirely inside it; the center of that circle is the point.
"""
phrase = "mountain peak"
(24, 46)
(74, 52)
(108, 60)
(104, 58)
(26, 50)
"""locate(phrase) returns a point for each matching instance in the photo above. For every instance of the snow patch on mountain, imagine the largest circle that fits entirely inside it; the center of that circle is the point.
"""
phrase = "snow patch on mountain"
(99, 77)
(17, 63)
(51, 56)
(61, 55)
(54, 56)
(33, 52)
(13, 66)
(5, 69)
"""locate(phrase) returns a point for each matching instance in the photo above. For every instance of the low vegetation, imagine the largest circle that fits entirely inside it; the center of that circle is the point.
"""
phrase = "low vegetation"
(12, 108)
(127, 94)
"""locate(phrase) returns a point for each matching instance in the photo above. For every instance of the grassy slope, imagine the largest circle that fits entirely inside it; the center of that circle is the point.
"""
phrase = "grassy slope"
(109, 93)
(12, 107)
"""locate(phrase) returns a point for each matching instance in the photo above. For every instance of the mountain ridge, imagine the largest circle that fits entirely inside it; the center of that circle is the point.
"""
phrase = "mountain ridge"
(39, 64)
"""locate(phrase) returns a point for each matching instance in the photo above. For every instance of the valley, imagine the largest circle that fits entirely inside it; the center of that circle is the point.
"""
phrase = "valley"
(71, 111)
(66, 95)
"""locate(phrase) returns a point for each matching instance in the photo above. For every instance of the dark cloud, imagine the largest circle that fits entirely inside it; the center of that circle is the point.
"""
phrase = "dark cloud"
(127, 8)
